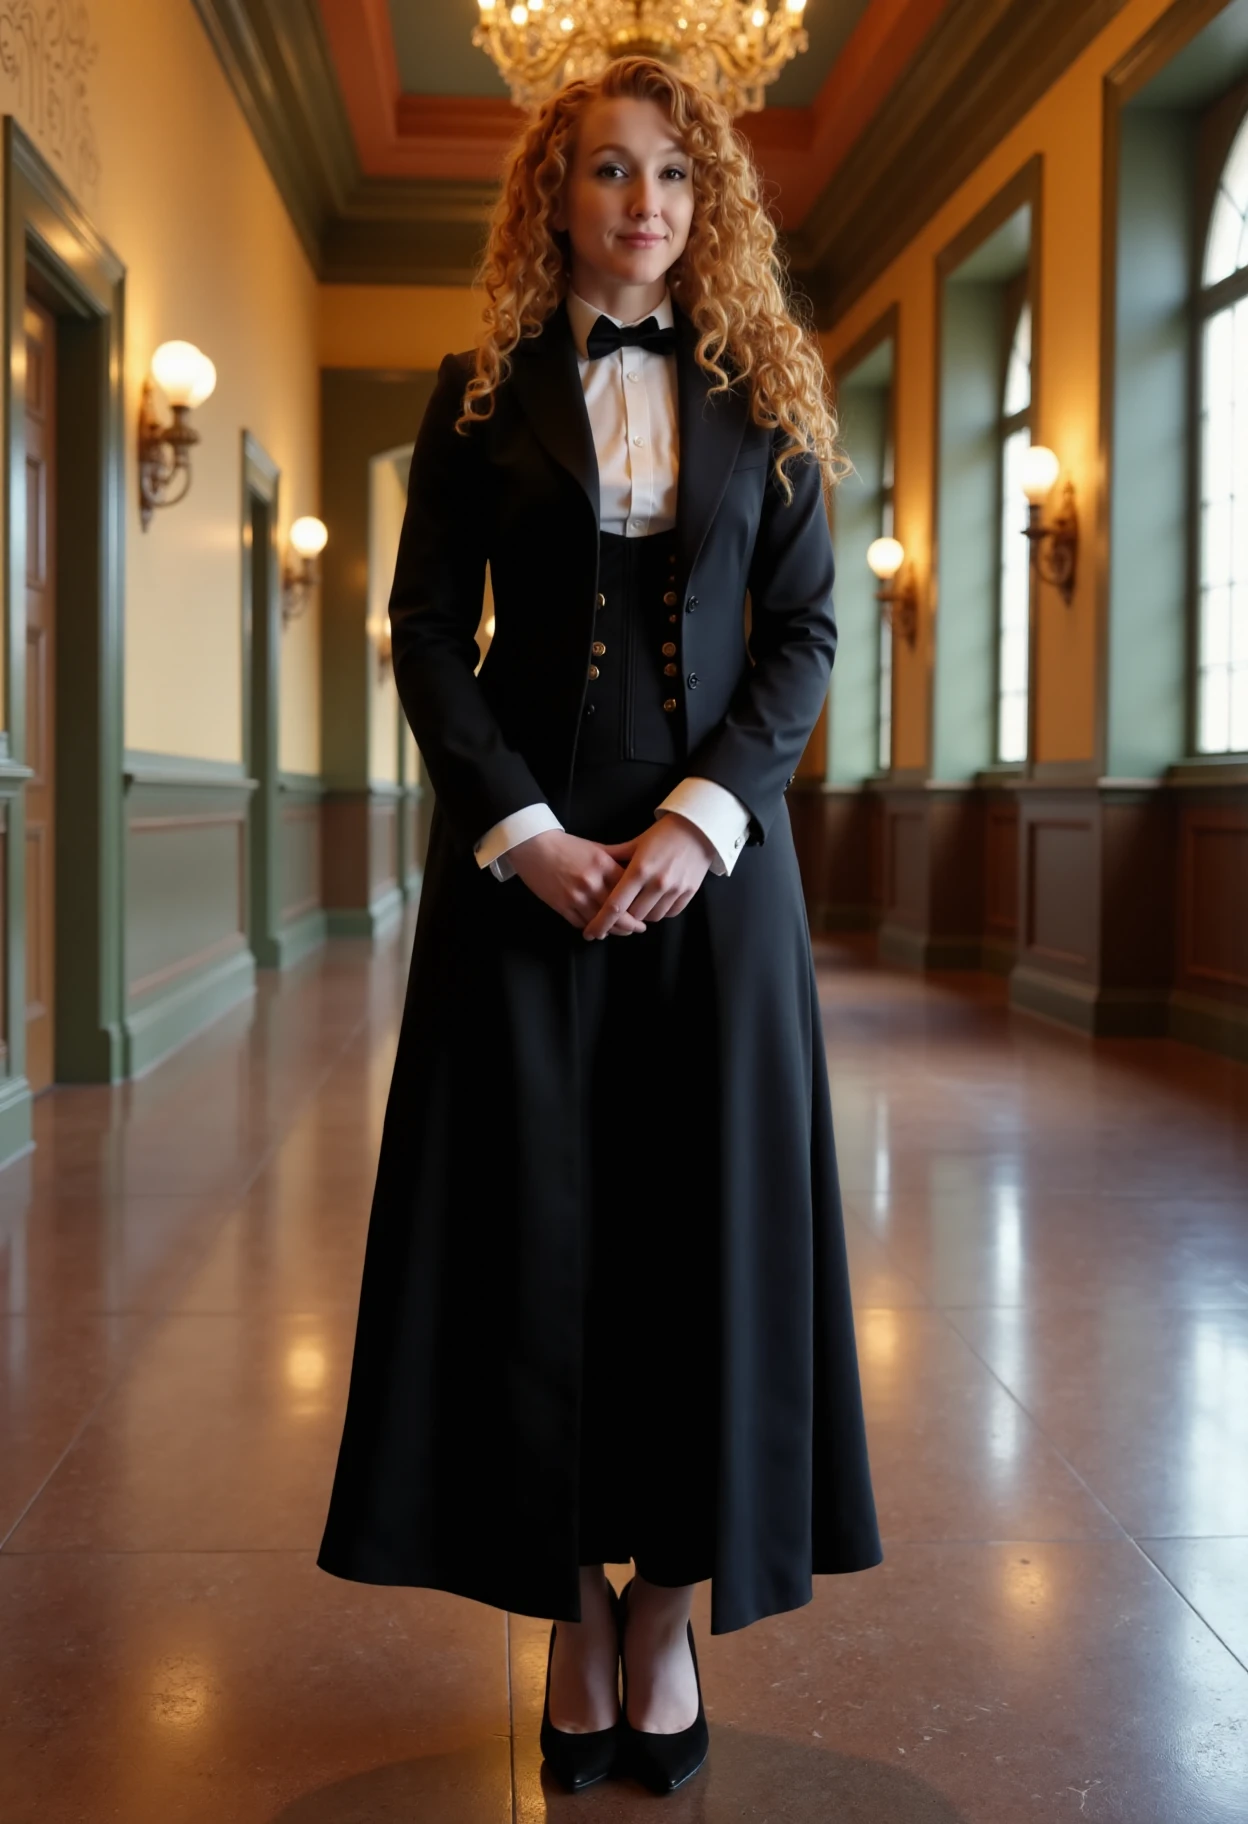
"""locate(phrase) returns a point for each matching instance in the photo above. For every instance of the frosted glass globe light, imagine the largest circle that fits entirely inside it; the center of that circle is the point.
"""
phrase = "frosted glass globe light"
(184, 374)
(885, 557)
(309, 536)
(1041, 469)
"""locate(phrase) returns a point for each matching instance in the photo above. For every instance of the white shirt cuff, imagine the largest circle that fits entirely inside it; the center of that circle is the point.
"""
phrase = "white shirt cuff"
(717, 812)
(492, 848)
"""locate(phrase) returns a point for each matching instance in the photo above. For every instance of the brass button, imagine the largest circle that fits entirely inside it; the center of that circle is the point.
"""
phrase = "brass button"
(669, 649)
(671, 617)
(670, 705)
(669, 600)
(593, 673)
(602, 601)
(669, 671)
(597, 649)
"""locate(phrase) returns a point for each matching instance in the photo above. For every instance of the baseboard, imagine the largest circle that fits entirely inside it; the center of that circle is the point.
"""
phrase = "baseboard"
(906, 949)
(1101, 1013)
(170, 1019)
(15, 1119)
(1213, 1025)
(827, 915)
(367, 921)
(300, 938)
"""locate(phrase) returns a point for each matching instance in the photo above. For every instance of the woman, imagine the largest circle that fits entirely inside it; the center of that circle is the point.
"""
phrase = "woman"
(605, 1310)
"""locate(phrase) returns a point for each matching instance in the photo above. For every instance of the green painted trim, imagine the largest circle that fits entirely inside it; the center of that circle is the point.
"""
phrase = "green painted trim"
(144, 768)
(169, 1020)
(16, 1103)
(48, 238)
(1213, 1025)
(13, 777)
(368, 921)
(301, 785)
(301, 937)
(261, 630)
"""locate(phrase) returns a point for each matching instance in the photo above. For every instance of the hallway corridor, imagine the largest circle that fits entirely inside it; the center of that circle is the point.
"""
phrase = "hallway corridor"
(1049, 1245)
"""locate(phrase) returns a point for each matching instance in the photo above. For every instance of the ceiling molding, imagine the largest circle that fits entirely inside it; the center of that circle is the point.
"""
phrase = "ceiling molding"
(984, 65)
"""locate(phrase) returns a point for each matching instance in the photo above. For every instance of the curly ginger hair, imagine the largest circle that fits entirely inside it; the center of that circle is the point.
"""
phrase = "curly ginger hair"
(729, 280)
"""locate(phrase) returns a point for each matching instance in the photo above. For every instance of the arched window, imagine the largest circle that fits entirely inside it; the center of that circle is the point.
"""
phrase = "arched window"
(884, 676)
(1222, 626)
(1014, 589)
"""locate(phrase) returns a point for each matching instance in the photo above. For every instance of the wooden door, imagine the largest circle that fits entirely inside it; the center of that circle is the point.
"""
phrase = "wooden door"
(40, 692)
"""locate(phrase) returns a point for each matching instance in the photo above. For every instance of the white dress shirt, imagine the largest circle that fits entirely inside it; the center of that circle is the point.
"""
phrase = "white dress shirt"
(634, 419)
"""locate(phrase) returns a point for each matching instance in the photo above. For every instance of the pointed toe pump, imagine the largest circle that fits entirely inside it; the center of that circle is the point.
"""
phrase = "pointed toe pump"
(581, 1760)
(661, 1762)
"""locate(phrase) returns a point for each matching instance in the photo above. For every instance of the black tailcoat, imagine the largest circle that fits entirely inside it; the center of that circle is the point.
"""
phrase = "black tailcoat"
(459, 1458)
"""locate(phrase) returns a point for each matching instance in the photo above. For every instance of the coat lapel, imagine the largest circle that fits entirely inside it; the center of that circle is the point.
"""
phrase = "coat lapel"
(710, 440)
(547, 383)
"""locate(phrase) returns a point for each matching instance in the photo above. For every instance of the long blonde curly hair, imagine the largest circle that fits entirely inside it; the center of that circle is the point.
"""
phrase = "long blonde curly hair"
(729, 280)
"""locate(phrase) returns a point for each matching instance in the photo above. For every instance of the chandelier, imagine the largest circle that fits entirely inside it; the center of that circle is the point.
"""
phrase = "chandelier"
(734, 48)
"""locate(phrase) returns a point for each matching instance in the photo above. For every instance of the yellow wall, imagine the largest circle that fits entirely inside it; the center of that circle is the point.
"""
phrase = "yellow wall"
(408, 326)
(1065, 127)
(185, 200)
(387, 501)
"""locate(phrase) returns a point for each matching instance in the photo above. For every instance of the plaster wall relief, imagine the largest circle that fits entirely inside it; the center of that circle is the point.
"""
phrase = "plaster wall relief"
(46, 56)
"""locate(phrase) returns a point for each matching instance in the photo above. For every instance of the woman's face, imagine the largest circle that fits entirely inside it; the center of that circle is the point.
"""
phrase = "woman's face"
(628, 202)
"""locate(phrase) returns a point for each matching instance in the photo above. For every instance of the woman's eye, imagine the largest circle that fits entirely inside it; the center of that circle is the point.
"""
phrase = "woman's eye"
(609, 170)
(676, 171)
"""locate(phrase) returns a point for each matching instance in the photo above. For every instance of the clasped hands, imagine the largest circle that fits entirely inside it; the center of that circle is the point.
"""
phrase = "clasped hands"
(616, 889)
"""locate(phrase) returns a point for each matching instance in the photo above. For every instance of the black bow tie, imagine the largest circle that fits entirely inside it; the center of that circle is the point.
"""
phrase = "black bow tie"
(605, 337)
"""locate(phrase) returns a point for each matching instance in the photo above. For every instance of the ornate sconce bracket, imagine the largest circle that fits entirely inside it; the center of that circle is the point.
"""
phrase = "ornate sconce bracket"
(1055, 547)
(164, 456)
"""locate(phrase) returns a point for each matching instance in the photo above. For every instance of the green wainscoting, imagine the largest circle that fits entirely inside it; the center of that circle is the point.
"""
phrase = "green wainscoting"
(304, 924)
(187, 955)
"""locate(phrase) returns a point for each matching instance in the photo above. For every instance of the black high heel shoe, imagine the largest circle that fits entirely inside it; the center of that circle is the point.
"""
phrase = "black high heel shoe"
(661, 1762)
(578, 1761)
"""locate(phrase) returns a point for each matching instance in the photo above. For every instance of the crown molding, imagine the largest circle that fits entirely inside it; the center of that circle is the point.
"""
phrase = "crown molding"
(982, 67)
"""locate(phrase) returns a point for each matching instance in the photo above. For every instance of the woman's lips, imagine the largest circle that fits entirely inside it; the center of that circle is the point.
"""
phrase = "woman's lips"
(641, 240)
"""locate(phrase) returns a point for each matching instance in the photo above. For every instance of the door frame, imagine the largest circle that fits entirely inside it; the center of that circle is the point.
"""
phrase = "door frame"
(262, 651)
(53, 249)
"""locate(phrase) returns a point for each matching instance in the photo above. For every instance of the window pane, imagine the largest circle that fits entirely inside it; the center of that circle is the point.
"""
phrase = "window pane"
(1014, 608)
(885, 757)
(1227, 250)
(1223, 617)
(1018, 370)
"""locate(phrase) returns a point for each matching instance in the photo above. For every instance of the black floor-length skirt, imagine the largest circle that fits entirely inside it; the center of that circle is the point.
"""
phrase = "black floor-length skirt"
(605, 1310)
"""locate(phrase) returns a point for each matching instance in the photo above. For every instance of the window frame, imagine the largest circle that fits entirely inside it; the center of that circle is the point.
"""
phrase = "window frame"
(1221, 130)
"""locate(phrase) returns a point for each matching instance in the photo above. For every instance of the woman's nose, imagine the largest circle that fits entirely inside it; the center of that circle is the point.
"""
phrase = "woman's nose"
(644, 204)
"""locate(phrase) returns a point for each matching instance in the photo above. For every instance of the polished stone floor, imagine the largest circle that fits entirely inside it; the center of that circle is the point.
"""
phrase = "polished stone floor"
(1050, 1255)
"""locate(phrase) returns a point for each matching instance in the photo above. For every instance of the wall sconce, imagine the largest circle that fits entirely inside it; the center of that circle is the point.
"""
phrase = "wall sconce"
(308, 538)
(1055, 547)
(187, 378)
(900, 602)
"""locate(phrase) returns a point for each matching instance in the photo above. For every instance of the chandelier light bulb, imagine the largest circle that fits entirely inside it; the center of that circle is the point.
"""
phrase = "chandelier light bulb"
(566, 24)
(519, 15)
(487, 6)
(759, 17)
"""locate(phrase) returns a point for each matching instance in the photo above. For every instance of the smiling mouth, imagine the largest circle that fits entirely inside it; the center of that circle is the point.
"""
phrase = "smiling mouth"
(642, 240)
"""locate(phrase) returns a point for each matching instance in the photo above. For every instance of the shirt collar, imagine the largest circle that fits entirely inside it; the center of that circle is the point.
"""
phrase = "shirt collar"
(583, 316)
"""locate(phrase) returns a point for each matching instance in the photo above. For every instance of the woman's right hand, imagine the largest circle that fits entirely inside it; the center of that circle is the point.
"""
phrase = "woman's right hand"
(571, 876)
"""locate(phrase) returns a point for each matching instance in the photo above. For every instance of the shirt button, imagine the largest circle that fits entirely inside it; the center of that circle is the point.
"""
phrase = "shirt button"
(634, 376)
(635, 524)
(640, 442)
(692, 680)
(740, 839)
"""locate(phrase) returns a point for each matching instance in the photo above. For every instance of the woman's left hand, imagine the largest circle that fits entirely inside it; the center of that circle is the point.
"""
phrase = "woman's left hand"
(664, 868)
